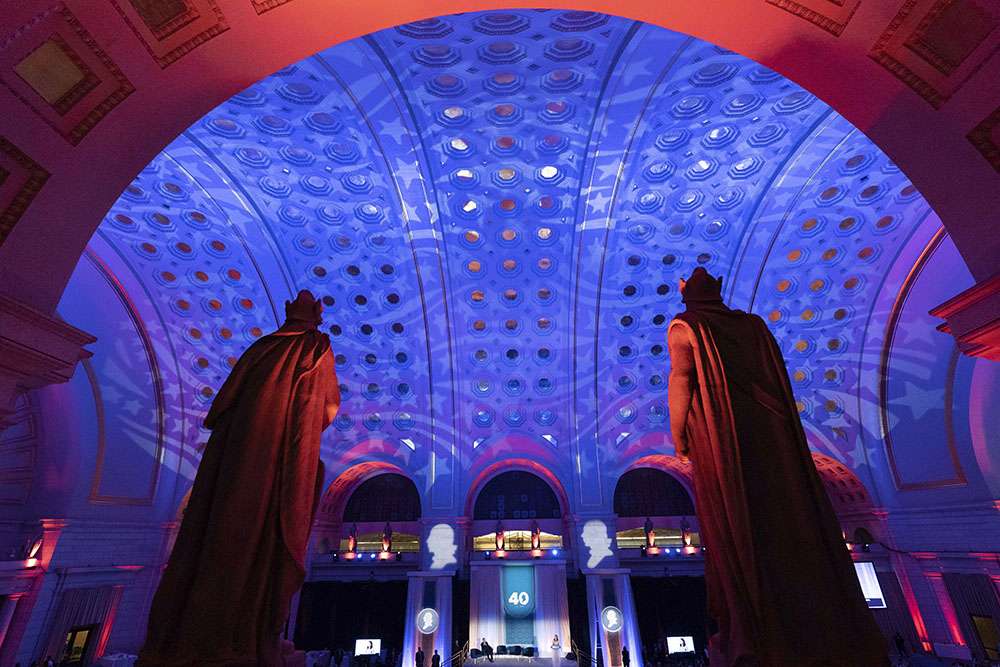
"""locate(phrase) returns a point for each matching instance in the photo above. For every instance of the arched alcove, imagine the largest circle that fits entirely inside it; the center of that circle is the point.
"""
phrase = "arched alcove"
(646, 492)
(385, 497)
(516, 495)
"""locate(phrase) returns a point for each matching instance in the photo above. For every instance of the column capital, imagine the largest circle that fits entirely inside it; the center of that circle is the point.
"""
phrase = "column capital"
(973, 318)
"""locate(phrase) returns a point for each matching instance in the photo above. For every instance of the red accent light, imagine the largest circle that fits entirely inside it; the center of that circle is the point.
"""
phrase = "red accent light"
(652, 551)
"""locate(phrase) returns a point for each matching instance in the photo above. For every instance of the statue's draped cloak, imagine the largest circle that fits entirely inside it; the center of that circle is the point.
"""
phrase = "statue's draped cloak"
(240, 553)
(781, 584)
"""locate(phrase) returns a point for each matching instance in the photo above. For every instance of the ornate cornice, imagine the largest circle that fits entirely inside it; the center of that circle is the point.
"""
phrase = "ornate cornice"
(973, 318)
(37, 349)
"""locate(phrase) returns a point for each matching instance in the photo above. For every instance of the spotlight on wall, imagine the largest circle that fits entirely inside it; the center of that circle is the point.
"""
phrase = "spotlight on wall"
(537, 553)
(489, 556)
(399, 555)
(642, 552)
(373, 555)
(555, 552)
(500, 553)
(866, 548)
(336, 556)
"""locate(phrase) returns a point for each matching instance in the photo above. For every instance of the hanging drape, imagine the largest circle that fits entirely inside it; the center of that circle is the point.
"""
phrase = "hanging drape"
(551, 608)
(896, 616)
(630, 634)
(973, 595)
(82, 607)
(486, 606)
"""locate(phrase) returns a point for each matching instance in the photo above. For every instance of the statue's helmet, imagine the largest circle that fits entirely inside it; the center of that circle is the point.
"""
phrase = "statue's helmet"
(701, 287)
(305, 308)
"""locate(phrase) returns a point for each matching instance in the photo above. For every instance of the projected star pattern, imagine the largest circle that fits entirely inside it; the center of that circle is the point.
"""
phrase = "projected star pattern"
(496, 208)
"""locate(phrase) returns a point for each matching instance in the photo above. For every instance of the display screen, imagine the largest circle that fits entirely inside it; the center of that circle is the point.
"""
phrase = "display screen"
(680, 645)
(870, 586)
(367, 647)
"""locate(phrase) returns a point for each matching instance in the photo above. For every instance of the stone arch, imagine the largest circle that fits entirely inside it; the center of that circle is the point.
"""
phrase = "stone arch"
(945, 149)
(508, 465)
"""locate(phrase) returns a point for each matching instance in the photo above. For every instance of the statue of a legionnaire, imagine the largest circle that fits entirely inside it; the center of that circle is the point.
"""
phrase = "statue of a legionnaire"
(781, 584)
(240, 552)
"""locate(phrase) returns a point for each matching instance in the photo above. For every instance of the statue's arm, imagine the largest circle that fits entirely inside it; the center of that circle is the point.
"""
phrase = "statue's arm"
(683, 383)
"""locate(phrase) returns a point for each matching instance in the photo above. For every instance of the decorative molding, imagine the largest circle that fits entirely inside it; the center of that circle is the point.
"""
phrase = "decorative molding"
(973, 318)
(18, 449)
(261, 6)
(929, 75)
(985, 137)
(170, 41)
(919, 44)
(821, 16)
(958, 478)
(60, 23)
(20, 168)
(88, 79)
(96, 496)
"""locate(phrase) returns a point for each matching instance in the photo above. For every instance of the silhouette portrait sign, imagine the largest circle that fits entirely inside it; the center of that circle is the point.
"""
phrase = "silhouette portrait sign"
(611, 619)
(596, 540)
(442, 547)
(427, 620)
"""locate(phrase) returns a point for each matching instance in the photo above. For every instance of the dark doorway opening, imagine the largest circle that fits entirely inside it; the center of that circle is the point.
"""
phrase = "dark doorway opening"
(333, 614)
(669, 607)
(579, 621)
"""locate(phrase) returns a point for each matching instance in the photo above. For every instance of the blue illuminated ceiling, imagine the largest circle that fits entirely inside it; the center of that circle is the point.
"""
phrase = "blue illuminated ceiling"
(496, 210)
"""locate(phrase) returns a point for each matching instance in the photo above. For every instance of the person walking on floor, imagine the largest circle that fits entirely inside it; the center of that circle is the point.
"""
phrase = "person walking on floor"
(556, 649)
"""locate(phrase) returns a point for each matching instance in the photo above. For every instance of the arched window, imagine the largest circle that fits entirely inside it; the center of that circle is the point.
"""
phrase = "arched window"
(517, 495)
(386, 497)
(651, 492)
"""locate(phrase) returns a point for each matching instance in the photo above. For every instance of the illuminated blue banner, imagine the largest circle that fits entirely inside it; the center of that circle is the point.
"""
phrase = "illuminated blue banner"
(518, 590)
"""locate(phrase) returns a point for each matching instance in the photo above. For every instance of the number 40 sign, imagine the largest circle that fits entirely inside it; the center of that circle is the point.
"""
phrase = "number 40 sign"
(519, 599)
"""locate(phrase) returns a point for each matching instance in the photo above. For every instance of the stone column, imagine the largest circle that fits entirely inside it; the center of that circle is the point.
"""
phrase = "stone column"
(35, 350)
(7, 610)
(612, 588)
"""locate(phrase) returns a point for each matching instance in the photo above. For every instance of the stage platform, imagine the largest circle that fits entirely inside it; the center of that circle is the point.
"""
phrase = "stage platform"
(520, 661)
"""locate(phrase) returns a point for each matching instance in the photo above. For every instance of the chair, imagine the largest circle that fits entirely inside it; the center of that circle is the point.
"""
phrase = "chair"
(528, 652)
(475, 654)
(502, 649)
(571, 656)
(515, 650)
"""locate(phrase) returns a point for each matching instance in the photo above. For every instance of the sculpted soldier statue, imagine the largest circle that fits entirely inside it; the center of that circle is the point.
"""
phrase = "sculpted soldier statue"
(781, 584)
(387, 537)
(239, 556)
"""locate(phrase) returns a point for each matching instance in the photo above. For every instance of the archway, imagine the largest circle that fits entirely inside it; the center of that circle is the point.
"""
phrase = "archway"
(205, 62)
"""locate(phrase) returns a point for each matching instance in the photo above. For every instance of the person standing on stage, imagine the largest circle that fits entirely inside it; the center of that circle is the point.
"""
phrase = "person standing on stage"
(556, 649)
(625, 656)
(436, 659)
(419, 659)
